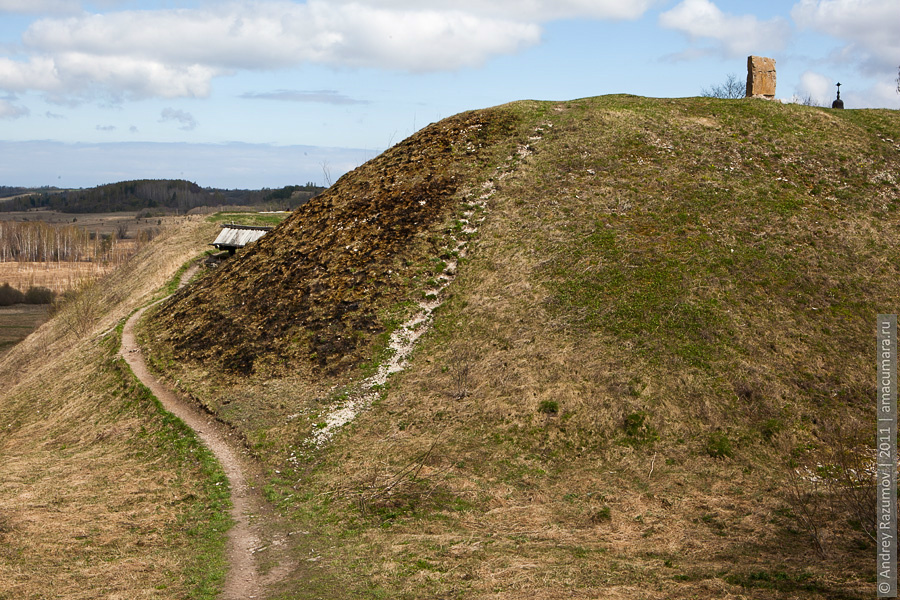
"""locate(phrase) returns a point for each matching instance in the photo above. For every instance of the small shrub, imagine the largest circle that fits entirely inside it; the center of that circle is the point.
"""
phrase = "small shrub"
(832, 488)
(638, 429)
(548, 407)
(79, 309)
(718, 445)
(10, 295)
(603, 515)
(39, 295)
(771, 428)
(634, 423)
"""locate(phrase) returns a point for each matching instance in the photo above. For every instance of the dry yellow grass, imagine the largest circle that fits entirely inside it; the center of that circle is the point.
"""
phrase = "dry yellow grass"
(59, 277)
(101, 496)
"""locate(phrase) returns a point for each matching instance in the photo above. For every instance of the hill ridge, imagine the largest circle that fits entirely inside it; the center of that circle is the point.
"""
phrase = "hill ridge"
(668, 306)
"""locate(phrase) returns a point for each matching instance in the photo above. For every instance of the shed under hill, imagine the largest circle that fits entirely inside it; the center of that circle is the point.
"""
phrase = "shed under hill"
(233, 237)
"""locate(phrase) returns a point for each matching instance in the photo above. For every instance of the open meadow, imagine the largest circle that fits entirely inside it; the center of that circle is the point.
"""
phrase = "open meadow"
(132, 222)
(17, 322)
(59, 277)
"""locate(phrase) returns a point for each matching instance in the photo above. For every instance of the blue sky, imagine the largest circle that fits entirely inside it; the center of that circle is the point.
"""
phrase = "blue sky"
(271, 92)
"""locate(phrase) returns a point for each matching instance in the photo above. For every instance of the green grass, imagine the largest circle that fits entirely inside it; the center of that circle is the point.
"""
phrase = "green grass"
(788, 583)
(205, 518)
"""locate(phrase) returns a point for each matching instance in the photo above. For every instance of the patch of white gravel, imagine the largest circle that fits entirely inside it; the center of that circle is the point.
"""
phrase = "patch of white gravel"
(404, 339)
(400, 346)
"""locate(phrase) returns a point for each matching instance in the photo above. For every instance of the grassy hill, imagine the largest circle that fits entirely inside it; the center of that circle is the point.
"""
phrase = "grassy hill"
(650, 376)
(665, 317)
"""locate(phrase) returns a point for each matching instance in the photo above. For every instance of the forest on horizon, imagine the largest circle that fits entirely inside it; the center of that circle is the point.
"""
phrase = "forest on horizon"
(149, 194)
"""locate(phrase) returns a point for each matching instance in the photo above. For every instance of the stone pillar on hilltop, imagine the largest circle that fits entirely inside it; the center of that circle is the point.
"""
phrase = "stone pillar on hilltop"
(760, 77)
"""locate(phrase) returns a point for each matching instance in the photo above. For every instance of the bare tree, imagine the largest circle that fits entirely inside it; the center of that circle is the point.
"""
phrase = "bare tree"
(731, 88)
(326, 172)
(806, 100)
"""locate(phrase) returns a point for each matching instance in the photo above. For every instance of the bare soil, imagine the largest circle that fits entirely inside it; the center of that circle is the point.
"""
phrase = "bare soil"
(310, 292)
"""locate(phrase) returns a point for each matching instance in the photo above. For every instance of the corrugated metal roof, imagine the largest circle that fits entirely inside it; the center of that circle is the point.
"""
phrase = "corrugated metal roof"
(233, 237)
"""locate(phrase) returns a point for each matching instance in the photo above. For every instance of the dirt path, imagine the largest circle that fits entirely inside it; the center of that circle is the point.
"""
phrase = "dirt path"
(244, 579)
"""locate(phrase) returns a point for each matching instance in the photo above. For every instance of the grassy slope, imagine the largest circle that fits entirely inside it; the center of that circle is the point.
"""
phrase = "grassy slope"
(101, 494)
(311, 295)
(669, 299)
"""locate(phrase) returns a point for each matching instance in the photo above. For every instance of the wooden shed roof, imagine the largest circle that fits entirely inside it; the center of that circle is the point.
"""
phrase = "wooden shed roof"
(238, 236)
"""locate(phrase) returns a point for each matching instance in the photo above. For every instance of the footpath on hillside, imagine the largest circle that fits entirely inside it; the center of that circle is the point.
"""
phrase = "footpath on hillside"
(244, 579)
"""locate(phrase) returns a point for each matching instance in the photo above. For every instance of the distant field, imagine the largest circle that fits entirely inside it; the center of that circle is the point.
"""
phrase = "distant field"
(106, 223)
(58, 277)
(17, 322)
(103, 223)
(65, 275)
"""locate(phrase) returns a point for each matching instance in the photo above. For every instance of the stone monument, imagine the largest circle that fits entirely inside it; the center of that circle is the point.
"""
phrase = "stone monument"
(760, 77)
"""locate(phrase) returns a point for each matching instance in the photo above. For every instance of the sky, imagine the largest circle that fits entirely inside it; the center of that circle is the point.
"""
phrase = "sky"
(268, 93)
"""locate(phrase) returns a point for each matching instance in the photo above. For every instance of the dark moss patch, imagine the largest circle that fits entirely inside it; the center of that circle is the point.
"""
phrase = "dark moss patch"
(310, 291)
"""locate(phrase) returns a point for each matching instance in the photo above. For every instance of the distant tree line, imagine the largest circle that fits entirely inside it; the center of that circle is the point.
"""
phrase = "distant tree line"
(149, 194)
(7, 191)
(286, 198)
(33, 295)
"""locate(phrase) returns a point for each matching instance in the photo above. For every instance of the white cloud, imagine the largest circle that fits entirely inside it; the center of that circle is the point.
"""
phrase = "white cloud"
(186, 119)
(732, 35)
(177, 53)
(314, 96)
(36, 7)
(525, 10)
(8, 110)
(870, 28)
(817, 87)
(36, 73)
(883, 93)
